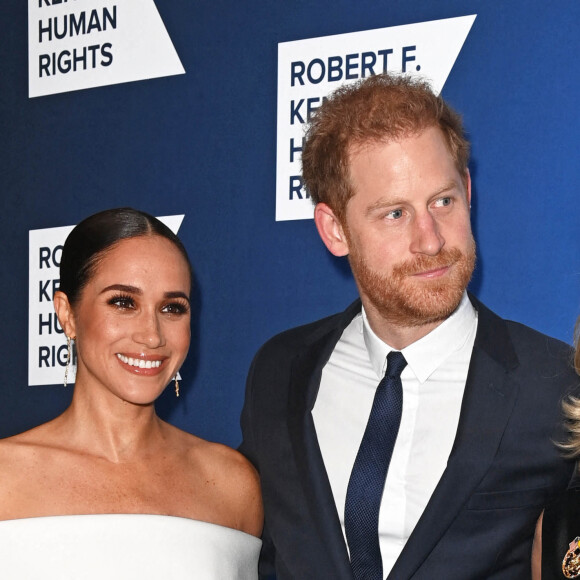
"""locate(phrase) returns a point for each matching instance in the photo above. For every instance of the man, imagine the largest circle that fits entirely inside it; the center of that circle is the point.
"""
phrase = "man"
(474, 399)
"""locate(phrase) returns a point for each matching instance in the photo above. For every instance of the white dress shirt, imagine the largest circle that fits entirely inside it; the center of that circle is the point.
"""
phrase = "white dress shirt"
(433, 386)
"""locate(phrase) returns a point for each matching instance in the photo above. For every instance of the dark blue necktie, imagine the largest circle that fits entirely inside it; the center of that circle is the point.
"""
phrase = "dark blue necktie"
(369, 472)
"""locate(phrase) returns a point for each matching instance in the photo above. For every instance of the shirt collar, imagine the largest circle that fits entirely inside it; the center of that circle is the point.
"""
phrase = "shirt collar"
(426, 354)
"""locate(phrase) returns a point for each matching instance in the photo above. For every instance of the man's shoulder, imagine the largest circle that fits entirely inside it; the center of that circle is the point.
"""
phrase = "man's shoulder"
(517, 330)
(545, 358)
(530, 346)
(300, 337)
(272, 366)
(523, 334)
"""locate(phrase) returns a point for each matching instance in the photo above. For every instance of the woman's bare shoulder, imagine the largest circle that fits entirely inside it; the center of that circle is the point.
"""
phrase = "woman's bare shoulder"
(242, 482)
(238, 482)
(26, 450)
(220, 458)
(234, 463)
(23, 460)
(25, 443)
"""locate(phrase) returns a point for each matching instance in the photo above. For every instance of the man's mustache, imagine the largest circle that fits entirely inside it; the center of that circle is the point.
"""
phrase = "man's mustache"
(423, 263)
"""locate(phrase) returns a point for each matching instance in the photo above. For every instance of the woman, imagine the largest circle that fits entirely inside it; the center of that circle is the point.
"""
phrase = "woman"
(88, 494)
(556, 551)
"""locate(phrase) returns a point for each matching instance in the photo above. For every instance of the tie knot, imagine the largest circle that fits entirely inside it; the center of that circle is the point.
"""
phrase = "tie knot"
(395, 364)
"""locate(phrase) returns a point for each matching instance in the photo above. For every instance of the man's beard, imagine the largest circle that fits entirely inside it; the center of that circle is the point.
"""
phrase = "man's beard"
(405, 301)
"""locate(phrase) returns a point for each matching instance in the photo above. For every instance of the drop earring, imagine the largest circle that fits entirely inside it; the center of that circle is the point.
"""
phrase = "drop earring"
(68, 358)
(176, 386)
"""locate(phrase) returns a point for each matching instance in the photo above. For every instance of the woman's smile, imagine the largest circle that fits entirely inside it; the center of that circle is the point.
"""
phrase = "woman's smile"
(141, 364)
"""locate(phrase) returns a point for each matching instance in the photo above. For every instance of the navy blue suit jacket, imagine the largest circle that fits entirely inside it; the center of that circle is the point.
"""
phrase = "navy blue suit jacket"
(503, 467)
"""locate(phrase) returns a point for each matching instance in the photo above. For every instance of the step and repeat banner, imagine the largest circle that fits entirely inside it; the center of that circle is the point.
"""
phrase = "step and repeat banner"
(309, 69)
(78, 45)
(195, 112)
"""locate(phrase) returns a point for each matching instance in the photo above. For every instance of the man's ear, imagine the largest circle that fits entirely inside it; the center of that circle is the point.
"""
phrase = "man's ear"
(64, 313)
(330, 230)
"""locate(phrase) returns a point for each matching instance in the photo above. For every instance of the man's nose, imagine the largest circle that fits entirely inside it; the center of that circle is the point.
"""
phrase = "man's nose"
(426, 235)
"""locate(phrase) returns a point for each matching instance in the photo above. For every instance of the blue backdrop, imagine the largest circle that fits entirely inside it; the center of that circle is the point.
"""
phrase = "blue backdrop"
(203, 144)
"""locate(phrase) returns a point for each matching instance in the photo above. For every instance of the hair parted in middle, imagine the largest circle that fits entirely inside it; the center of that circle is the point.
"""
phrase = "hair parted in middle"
(379, 108)
(90, 240)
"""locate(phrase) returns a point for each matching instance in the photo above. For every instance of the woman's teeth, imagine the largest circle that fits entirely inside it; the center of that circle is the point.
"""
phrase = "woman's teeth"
(139, 362)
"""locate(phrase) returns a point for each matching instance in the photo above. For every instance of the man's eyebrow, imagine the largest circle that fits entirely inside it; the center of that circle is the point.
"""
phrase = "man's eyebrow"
(400, 200)
(448, 187)
(382, 203)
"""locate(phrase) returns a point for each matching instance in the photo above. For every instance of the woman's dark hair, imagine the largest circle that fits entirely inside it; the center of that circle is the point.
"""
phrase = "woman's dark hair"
(89, 241)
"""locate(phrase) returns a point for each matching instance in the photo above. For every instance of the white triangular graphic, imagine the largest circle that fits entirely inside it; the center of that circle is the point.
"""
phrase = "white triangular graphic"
(79, 45)
(310, 69)
(173, 222)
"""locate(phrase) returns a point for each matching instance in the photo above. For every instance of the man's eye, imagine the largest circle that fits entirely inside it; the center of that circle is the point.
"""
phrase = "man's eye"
(395, 214)
(443, 202)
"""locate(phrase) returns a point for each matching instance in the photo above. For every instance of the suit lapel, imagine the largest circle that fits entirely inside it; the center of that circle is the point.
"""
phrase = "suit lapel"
(487, 405)
(305, 382)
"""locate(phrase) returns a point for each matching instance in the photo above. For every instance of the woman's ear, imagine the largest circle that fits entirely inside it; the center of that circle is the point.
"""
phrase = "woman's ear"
(65, 314)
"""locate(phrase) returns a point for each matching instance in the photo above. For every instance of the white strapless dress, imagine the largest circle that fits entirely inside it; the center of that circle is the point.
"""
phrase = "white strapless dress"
(124, 547)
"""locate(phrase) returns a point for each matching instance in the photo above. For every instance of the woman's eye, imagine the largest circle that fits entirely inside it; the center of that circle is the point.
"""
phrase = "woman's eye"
(122, 302)
(176, 308)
